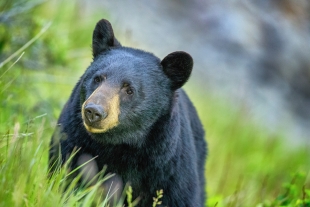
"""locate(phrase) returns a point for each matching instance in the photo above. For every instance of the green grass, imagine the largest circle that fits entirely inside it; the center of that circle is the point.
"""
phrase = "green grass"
(246, 165)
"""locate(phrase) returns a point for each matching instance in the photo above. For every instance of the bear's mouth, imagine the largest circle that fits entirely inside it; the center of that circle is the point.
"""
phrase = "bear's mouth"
(93, 129)
(103, 127)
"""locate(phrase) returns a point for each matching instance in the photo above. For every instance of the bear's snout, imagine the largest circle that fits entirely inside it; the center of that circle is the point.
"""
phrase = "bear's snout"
(100, 113)
(94, 113)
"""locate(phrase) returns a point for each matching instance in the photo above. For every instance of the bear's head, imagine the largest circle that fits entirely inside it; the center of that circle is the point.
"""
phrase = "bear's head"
(125, 91)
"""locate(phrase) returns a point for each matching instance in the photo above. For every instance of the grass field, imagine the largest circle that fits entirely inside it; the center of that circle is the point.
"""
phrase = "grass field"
(246, 166)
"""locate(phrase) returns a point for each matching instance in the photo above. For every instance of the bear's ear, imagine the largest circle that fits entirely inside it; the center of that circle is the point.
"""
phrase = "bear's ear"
(103, 37)
(178, 67)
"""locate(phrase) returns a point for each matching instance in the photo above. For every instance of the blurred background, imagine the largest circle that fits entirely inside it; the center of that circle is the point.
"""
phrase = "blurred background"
(250, 82)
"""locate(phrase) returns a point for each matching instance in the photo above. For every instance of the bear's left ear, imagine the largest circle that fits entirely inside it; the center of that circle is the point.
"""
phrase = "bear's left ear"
(103, 37)
(178, 67)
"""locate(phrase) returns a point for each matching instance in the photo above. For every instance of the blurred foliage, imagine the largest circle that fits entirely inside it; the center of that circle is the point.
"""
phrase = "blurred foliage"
(26, 88)
(19, 22)
(246, 166)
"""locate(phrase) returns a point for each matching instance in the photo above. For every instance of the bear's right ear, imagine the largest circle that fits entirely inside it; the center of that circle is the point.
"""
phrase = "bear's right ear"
(103, 37)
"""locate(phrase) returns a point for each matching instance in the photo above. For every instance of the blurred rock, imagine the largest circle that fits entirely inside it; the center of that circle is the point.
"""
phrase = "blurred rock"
(253, 53)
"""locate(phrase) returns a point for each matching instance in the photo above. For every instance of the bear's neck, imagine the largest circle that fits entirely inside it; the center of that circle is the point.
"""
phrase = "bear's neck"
(159, 137)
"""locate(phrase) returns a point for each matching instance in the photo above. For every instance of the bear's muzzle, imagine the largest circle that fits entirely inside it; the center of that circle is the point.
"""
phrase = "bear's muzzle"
(101, 110)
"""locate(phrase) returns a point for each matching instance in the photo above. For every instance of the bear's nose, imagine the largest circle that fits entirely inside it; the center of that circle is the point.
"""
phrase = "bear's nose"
(94, 113)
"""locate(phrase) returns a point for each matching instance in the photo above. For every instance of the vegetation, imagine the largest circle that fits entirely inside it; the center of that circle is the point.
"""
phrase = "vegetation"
(246, 166)
(250, 167)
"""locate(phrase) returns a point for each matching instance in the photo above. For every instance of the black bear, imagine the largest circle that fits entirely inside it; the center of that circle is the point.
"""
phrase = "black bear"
(128, 111)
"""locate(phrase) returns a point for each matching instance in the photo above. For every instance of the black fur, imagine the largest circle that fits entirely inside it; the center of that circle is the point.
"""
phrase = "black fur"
(103, 37)
(159, 141)
(178, 67)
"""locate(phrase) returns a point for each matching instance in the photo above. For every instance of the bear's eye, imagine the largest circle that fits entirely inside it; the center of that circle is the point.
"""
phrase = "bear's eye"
(97, 79)
(129, 91)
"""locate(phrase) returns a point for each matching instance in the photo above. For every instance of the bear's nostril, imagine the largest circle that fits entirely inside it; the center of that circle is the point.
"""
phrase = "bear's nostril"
(89, 112)
(94, 113)
(98, 115)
